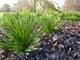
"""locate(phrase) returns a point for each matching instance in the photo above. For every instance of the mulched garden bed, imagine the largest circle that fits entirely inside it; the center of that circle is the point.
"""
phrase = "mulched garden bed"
(63, 44)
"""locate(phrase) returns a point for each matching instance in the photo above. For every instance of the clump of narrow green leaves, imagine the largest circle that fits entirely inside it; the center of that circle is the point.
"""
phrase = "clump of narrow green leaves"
(20, 33)
(48, 22)
(70, 15)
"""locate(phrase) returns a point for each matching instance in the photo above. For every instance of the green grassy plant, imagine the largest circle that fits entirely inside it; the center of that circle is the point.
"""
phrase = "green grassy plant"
(48, 22)
(19, 32)
(70, 15)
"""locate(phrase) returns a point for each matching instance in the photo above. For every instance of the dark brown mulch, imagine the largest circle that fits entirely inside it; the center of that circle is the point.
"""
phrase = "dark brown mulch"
(63, 44)
(71, 25)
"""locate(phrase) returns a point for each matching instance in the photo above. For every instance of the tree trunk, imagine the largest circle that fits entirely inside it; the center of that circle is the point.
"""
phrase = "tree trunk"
(34, 8)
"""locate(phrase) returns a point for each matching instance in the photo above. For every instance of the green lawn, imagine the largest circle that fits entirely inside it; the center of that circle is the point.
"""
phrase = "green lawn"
(1, 16)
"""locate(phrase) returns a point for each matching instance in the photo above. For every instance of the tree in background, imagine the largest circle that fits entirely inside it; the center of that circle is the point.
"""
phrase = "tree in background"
(5, 8)
(33, 4)
(47, 5)
(71, 5)
(26, 4)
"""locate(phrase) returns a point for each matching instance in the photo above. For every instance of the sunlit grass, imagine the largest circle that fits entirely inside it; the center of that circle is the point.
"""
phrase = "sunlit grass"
(1, 14)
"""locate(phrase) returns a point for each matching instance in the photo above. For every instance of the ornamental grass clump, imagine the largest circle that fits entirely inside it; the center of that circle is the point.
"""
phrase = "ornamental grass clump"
(70, 15)
(19, 34)
(48, 22)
